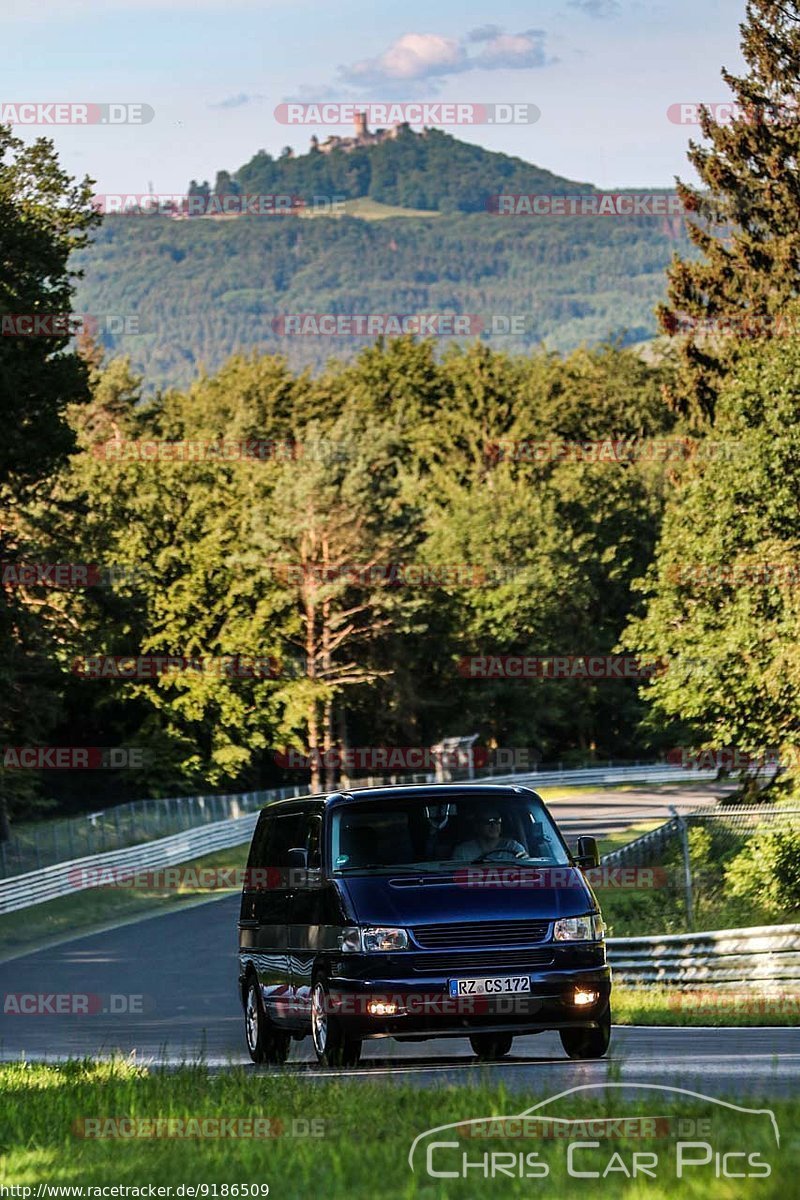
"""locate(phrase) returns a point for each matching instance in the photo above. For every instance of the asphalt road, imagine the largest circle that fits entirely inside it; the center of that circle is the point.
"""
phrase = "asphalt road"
(607, 811)
(183, 965)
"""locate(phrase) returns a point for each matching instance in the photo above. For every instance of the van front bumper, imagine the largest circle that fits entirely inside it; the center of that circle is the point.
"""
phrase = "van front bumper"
(391, 1003)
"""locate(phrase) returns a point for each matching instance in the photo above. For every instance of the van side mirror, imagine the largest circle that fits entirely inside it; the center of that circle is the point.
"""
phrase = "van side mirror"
(297, 859)
(587, 855)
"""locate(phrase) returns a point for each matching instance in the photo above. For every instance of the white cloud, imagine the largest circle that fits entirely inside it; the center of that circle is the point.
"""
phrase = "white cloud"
(512, 51)
(596, 8)
(238, 101)
(426, 58)
(483, 33)
(413, 56)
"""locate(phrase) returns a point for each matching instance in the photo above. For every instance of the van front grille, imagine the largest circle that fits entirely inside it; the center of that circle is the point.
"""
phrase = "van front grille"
(482, 962)
(473, 935)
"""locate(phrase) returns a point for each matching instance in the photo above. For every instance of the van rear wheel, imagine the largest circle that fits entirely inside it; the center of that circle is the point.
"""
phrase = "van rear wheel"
(332, 1045)
(488, 1047)
(588, 1043)
(265, 1043)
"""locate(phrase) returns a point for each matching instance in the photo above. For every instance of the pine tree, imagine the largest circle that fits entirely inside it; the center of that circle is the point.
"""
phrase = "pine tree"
(747, 214)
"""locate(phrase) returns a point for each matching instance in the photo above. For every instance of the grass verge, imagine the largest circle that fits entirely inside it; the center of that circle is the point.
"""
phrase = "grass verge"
(708, 1007)
(95, 908)
(351, 1139)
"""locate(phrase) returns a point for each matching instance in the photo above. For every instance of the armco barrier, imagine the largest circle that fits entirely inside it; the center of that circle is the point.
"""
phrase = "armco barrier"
(21, 891)
(762, 959)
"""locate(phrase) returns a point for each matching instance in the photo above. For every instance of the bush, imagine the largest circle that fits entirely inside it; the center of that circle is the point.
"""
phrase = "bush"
(768, 871)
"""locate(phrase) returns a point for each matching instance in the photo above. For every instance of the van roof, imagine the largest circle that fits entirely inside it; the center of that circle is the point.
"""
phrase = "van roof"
(412, 791)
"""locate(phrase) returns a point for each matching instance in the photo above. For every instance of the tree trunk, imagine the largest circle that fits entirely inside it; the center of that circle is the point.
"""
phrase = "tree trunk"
(313, 746)
(328, 745)
(311, 673)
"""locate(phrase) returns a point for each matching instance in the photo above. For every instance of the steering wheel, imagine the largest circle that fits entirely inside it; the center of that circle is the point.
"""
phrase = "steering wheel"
(504, 856)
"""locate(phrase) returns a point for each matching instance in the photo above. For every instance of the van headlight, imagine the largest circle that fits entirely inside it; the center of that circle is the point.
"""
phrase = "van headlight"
(373, 939)
(579, 929)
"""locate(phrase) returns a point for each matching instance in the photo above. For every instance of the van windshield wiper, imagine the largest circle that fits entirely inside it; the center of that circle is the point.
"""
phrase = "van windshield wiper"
(365, 867)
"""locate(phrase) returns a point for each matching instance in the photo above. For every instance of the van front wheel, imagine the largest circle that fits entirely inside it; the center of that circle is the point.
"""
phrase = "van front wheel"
(265, 1043)
(333, 1047)
(588, 1043)
(488, 1047)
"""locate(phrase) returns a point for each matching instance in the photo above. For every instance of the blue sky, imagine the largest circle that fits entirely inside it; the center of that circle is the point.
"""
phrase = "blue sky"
(602, 72)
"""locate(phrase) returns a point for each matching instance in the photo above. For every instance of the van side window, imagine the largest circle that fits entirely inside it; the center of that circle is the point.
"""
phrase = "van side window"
(275, 836)
(257, 858)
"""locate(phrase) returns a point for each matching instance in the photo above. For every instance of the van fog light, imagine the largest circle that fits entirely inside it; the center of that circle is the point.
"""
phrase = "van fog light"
(381, 1008)
(584, 996)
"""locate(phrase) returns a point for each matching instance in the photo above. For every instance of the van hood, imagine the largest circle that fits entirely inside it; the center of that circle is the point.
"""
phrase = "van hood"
(468, 895)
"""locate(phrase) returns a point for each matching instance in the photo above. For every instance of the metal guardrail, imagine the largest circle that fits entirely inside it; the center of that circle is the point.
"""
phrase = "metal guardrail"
(764, 958)
(654, 773)
(569, 777)
(67, 878)
(39, 844)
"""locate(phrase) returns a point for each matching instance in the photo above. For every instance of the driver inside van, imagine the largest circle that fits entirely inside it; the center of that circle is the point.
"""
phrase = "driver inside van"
(488, 840)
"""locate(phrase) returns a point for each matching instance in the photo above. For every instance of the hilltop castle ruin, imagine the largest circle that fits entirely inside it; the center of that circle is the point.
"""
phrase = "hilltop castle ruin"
(361, 136)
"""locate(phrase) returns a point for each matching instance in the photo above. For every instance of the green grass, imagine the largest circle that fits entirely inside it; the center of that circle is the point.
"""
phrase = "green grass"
(370, 210)
(95, 908)
(364, 1132)
(621, 837)
(709, 1007)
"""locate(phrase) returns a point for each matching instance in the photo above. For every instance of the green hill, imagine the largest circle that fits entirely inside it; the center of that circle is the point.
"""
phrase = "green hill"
(430, 170)
(196, 290)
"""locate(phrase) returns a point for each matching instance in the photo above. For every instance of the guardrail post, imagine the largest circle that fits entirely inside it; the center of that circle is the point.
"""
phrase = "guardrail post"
(683, 829)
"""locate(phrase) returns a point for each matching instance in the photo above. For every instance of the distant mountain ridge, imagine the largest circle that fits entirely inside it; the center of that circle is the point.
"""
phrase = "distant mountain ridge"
(195, 291)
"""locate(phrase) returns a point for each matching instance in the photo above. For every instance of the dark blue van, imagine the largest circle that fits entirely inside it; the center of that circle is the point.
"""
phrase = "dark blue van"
(449, 910)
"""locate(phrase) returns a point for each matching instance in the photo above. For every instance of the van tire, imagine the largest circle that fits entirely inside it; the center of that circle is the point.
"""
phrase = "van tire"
(265, 1043)
(588, 1043)
(488, 1047)
(331, 1044)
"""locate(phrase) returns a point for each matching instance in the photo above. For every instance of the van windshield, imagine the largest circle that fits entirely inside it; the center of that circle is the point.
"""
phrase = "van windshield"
(420, 835)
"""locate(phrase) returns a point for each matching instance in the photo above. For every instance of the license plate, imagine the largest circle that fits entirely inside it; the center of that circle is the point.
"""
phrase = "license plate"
(492, 985)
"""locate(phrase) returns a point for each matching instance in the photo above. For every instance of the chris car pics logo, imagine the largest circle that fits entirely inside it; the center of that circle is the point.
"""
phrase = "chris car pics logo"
(718, 1140)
